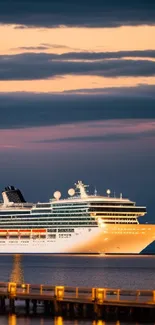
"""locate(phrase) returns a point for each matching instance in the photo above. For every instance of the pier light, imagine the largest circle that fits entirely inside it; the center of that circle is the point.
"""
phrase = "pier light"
(12, 287)
(23, 285)
(59, 292)
(100, 294)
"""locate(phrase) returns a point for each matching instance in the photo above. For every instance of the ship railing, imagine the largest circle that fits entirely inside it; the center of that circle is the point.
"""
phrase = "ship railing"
(19, 205)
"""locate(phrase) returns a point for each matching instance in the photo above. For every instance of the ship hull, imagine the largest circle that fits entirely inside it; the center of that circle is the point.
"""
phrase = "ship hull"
(110, 239)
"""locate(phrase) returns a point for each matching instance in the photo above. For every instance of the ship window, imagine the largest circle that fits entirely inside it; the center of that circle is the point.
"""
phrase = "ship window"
(65, 230)
(119, 209)
(13, 236)
(64, 235)
(25, 236)
(13, 213)
(41, 211)
(43, 205)
(52, 236)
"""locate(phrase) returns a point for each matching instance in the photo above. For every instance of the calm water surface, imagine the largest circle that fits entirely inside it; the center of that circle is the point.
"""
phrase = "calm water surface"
(127, 272)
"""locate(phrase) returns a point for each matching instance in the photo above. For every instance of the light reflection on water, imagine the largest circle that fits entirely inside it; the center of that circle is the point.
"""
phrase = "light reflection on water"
(127, 272)
(17, 274)
(14, 320)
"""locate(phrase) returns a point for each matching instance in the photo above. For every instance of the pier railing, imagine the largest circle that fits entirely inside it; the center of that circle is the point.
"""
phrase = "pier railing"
(100, 295)
(66, 301)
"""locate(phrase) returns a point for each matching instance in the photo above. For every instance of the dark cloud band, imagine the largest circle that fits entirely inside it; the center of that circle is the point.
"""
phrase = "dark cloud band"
(79, 13)
(31, 66)
(21, 110)
(86, 55)
(107, 137)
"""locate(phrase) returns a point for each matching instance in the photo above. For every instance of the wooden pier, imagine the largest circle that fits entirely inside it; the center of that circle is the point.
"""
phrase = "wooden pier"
(78, 302)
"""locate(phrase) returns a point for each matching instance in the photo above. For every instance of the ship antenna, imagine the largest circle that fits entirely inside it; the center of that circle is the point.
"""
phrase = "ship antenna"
(108, 192)
(95, 191)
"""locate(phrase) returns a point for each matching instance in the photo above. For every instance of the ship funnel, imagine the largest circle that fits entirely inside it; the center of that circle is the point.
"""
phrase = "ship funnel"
(12, 195)
(5, 199)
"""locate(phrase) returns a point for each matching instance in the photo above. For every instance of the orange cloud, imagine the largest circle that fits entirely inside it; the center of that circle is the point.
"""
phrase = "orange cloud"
(72, 83)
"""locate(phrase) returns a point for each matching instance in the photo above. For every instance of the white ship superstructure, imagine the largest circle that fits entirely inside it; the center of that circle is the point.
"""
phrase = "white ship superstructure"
(79, 224)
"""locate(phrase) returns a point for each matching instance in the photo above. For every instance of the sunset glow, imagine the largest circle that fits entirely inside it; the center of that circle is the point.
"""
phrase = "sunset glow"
(77, 95)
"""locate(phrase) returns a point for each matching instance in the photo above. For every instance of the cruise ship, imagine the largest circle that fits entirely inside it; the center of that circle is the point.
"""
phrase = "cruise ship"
(79, 224)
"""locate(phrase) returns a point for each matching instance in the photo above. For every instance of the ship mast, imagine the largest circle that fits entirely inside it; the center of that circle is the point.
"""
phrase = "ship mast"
(81, 187)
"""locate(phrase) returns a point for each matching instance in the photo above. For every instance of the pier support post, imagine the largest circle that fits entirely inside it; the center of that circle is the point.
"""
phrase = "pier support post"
(34, 302)
(84, 310)
(27, 303)
(3, 307)
(116, 312)
(90, 310)
(151, 314)
(64, 309)
(76, 309)
(95, 309)
(51, 308)
(12, 305)
(71, 309)
(98, 310)
(67, 309)
(107, 312)
(130, 314)
(56, 307)
(45, 306)
(59, 308)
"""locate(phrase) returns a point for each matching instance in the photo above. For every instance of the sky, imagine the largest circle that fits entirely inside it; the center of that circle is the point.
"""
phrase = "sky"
(77, 97)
